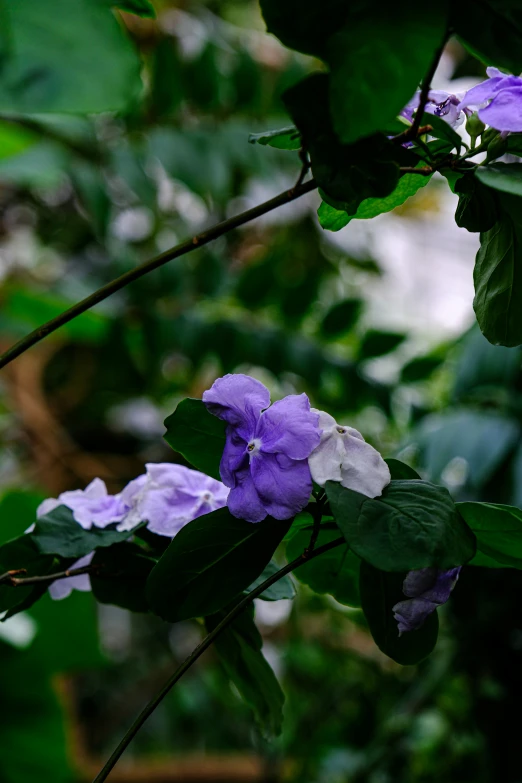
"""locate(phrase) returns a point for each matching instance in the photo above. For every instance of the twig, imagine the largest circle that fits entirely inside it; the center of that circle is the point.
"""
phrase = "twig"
(200, 649)
(134, 274)
(11, 580)
(415, 128)
(425, 171)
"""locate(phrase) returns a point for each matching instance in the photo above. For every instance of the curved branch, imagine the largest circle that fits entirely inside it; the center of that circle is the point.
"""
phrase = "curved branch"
(134, 274)
(200, 649)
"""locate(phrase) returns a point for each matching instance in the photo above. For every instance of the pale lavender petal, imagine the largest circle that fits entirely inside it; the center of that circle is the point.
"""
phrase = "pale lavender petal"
(289, 427)
(481, 93)
(504, 113)
(237, 399)
(284, 491)
(48, 505)
(492, 72)
(133, 488)
(244, 501)
(62, 588)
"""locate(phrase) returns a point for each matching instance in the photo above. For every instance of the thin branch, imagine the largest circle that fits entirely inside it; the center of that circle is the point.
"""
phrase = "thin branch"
(134, 274)
(11, 580)
(415, 129)
(200, 649)
(425, 171)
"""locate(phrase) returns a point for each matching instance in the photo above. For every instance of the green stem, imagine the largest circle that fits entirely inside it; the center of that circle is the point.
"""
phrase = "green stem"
(134, 274)
(200, 649)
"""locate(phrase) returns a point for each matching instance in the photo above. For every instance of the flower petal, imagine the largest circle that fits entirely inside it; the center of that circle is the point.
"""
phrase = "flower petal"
(244, 501)
(289, 427)
(504, 113)
(62, 588)
(284, 489)
(237, 399)
(363, 469)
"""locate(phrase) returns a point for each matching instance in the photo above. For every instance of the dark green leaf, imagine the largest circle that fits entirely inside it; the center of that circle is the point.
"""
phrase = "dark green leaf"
(332, 219)
(414, 524)
(481, 365)
(209, 562)
(335, 572)
(380, 591)
(341, 317)
(498, 282)
(58, 533)
(375, 343)
(139, 7)
(498, 530)
(22, 553)
(506, 177)
(399, 470)
(407, 186)
(239, 649)
(477, 207)
(514, 144)
(283, 139)
(420, 368)
(304, 26)
(491, 30)
(197, 435)
(442, 130)
(54, 44)
(282, 589)
(121, 581)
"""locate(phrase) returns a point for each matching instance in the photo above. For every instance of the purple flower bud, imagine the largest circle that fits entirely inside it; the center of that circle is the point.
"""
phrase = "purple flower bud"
(426, 589)
(265, 457)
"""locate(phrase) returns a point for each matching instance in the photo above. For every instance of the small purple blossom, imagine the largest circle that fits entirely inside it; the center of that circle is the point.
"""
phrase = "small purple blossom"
(426, 589)
(441, 104)
(498, 100)
(90, 506)
(168, 496)
(267, 446)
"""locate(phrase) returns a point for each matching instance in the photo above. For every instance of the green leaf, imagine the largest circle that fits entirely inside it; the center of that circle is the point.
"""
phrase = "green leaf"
(122, 580)
(407, 186)
(506, 177)
(332, 219)
(481, 365)
(380, 591)
(491, 30)
(197, 435)
(376, 343)
(15, 139)
(210, 562)
(54, 44)
(239, 649)
(442, 130)
(399, 470)
(139, 7)
(414, 524)
(514, 144)
(22, 553)
(304, 26)
(497, 278)
(371, 79)
(58, 533)
(498, 530)
(282, 589)
(420, 368)
(477, 207)
(283, 139)
(335, 572)
(341, 317)
(346, 174)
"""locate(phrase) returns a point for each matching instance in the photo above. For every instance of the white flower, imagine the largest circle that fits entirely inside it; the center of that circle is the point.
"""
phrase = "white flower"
(343, 455)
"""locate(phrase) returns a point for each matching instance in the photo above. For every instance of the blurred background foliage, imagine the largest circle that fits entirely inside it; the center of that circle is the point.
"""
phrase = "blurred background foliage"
(84, 198)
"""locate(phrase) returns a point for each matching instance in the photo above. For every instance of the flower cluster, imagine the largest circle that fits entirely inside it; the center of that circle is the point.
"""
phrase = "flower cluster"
(273, 452)
(498, 100)
(426, 589)
(440, 104)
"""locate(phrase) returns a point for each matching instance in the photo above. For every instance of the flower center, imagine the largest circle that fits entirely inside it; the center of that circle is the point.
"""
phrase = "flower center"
(254, 447)
(341, 430)
(206, 496)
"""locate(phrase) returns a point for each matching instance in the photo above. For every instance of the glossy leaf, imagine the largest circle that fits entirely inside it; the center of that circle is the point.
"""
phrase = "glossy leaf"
(498, 530)
(332, 219)
(209, 562)
(491, 31)
(408, 186)
(380, 591)
(282, 589)
(283, 139)
(22, 553)
(414, 524)
(498, 284)
(58, 533)
(399, 471)
(335, 572)
(197, 435)
(239, 648)
(123, 576)
(477, 207)
(506, 177)
(440, 129)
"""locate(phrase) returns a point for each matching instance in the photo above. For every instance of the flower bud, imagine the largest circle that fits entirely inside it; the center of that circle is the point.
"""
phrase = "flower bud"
(496, 148)
(474, 126)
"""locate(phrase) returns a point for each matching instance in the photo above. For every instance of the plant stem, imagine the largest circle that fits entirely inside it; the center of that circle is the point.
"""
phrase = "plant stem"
(11, 580)
(134, 274)
(200, 649)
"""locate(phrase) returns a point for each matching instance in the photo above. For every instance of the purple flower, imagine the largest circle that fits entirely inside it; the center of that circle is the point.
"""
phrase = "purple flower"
(168, 496)
(63, 588)
(441, 104)
(498, 100)
(265, 457)
(90, 506)
(426, 589)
